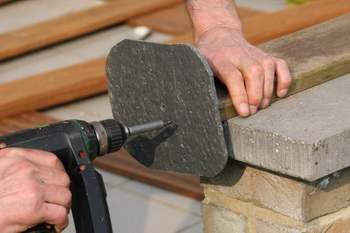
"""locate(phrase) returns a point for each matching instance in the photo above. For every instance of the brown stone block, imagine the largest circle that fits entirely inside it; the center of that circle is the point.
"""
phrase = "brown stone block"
(340, 226)
(285, 195)
(218, 219)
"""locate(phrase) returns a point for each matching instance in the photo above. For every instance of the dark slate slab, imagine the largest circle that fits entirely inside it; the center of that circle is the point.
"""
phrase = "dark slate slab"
(151, 81)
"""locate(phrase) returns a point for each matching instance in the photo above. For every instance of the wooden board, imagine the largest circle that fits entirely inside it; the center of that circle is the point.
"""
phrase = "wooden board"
(174, 20)
(76, 24)
(260, 29)
(24, 121)
(123, 164)
(53, 88)
(264, 27)
(6, 1)
(314, 55)
(120, 163)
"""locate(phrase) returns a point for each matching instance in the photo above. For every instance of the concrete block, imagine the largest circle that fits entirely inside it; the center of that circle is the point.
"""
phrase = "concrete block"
(305, 136)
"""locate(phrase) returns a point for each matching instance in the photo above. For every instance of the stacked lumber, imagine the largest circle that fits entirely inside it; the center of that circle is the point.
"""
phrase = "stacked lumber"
(18, 108)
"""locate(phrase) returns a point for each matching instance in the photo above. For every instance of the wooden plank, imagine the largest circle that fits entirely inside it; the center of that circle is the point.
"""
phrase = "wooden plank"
(53, 88)
(76, 24)
(293, 19)
(174, 20)
(120, 163)
(24, 121)
(123, 164)
(314, 55)
(6, 1)
(265, 27)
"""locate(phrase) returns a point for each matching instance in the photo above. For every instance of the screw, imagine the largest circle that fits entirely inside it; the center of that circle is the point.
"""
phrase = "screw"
(2, 145)
(82, 167)
(81, 154)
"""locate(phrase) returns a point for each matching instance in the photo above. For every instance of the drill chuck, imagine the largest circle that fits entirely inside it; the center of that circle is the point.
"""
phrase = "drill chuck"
(111, 135)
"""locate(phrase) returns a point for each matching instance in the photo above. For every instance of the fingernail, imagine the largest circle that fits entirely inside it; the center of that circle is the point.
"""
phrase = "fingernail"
(244, 109)
(282, 93)
(253, 109)
(264, 103)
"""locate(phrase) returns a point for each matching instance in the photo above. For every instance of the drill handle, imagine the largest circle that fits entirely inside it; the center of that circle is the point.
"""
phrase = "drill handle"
(41, 228)
(74, 143)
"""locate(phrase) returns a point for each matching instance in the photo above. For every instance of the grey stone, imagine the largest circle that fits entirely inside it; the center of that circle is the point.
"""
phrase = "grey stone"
(151, 81)
(305, 136)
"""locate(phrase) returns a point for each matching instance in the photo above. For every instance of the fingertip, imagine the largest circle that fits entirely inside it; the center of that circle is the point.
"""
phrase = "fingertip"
(282, 93)
(253, 109)
(244, 110)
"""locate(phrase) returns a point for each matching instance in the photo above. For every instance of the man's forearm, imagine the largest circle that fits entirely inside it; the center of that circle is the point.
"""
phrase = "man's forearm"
(206, 15)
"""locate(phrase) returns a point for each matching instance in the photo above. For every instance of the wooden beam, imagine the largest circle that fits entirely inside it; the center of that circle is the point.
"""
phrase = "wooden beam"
(265, 27)
(119, 163)
(314, 55)
(123, 164)
(292, 19)
(24, 121)
(76, 24)
(53, 88)
(174, 20)
(6, 1)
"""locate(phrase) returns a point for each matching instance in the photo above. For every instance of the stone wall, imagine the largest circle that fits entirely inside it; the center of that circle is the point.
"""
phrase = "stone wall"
(247, 199)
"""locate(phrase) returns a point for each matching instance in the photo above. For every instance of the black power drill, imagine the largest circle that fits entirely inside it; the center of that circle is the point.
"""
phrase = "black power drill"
(77, 143)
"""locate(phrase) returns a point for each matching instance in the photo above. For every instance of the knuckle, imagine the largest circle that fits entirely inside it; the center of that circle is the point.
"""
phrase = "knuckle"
(25, 167)
(286, 82)
(268, 63)
(65, 180)
(280, 62)
(61, 216)
(255, 70)
(11, 151)
(53, 161)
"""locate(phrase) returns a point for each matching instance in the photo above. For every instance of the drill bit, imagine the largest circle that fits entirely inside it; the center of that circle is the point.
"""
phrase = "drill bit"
(146, 127)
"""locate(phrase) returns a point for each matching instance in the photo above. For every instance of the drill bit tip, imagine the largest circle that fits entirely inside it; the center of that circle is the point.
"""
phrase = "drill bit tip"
(166, 123)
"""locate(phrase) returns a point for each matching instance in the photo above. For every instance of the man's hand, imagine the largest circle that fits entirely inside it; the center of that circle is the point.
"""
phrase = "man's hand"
(34, 189)
(248, 72)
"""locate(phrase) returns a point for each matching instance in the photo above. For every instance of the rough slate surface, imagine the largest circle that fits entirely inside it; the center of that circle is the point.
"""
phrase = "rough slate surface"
(150, 81)
(305, 136)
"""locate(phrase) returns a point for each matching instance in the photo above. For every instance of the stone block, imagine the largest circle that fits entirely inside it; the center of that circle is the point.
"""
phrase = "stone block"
(226, 215)
(219, 219)
(306, 135)
(291, 197)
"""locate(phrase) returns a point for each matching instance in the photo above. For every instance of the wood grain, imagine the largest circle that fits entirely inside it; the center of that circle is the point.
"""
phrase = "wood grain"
(120, 163)
(76, 24)
(265, 27)
(23, 121)
(53, 88)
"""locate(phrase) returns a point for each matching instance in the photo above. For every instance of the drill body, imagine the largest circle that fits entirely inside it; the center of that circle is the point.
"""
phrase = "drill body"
(77, 143)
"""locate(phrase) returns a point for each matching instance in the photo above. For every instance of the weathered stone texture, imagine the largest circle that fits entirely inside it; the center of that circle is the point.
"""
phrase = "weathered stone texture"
(218, 219)
(285, 195)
